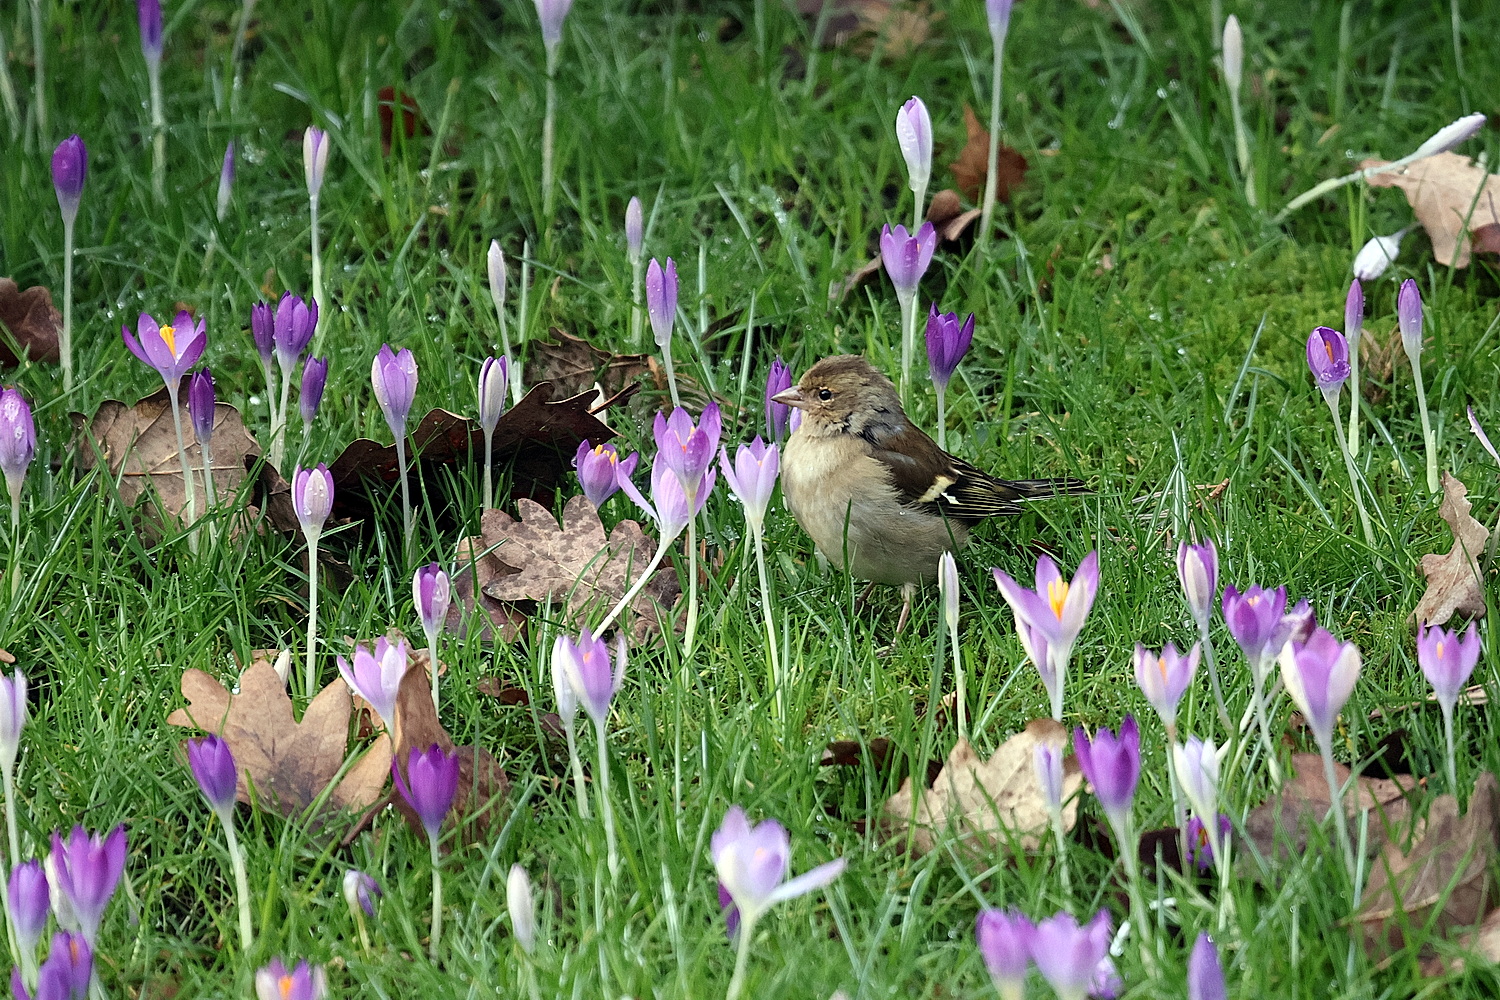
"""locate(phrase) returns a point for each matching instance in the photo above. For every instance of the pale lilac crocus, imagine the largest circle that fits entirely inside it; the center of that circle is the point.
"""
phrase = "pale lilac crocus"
(494, 376)
(661, 307)
(431, 592)
(304, 982)
(312, 501)
(948, 341)
(1205, 980)
(1354, 324)
(1320, 675)
(1328, 360)
(1068, 955)
(567, 711)
(376, 676)
(17, 450)
(429, 787)
(551, 13)
(596, 678)
(914, 136)
(1198, 572)
(752, 865)
(1004, 938)
(1164, 677)
(315, 147)
(997, 13)
(688, 449)
(599, 470)
(635, 243)
(1255, 620)
(148, 14)
(906, 257)
(226, 183)
(394, 377)
(214, 769)
(520, 903)
(777, 414)
(1447, 661)
(70, 167)
(27, 906)
(1409, 318)
(83, 872)
(360, 892)
(1050, 617)
(172, 351)
(752, 478)
(1047, 768)
(1197, 768)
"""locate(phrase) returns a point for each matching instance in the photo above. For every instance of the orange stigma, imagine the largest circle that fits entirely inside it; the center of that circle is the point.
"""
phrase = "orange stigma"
(1057, 595)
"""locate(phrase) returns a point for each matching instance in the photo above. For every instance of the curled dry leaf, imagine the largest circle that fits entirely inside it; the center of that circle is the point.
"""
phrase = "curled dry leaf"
(32, 321)
(1483, 941)
(989, 806)
(290, 763)
(1455, 584)
(1453, 199)
(573, 365)
(1443, 881)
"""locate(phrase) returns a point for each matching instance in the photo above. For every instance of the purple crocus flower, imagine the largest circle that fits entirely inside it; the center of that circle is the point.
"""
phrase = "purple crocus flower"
(599, 470)
(12, 717)
(661, 299)
(1049, 618)
(668, 505)
(27, 904)
(296, 321)
(376, 677)
(1205, 974)
(906, 256)
(1164, 677)
(201, 406)
(360, 891)
(83, 872)
(1447, 660)
(914, 136)
(494, 378)
(430, 591)
(1354, 316)
(1409, 318)
(70, 167)
(998, 14)
(948, 341)
(752, 863)
(1297, 624)
(17, 439)
(394, 376)
(1112, 765)
(314, 381)
(171, 350)
(687, 448)
(314, 159)
(214, 770)
(66, 973)
(730, 911)
(635, 231)
(263, 332)
(1198, 571)
(312, 499)
(1067, 955)
(589, 669)
(148, 13)
(1200, 847)
(276, 982)
(429, 785)
(1254, 619)
(552, 13)
(1320, 675)
(777, 414)
(1328, 358)
(1004, 938)
(226, 183)
(752, 478)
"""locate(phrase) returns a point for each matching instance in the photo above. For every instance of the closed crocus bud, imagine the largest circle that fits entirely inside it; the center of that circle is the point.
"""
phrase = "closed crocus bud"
(1112, 766)
(360, 892)
(552, 13)
(948, 588)
(1197, 764)
(777, 414)
(394, 376)
(599, 470)
(522, 907)
(1409, 317)
(1234, 52)
(148, 13)
(1068, 955)
(1198, 572)
(1047, 766)
(914, 135)
(495, 260)
(1377, 255)
(997, 12)
(312, 499)
(314, 381)
(376, 676)
(201, 406)
(13, 715)
(226, 183)
(948, 341)
(430, 591)
(1205, 974)
(314, 159)
(1450, 136)
(906, 256)
(594, 675)
(429, 785)
(1328, 359)
(70, 166)
(214, 770)
(263, 331)
(494, 376)
(27, 904)
(277, 982)
(296, 321)
(1354, 316)
(1004, 938)
(635, 231)
(661, 299)
(752, 478)
(17, 440)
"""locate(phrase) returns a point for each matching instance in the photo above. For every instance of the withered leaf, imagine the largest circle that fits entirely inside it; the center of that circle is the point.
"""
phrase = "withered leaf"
(573, 365)
(987, 805)
(290, 763)
(971, 169)
(1452, 198)
(411, 116)
(880, 755)
(1455, 584)
(32, 321)
(948, 217)
(1483, 941)
(895, 27)
(1443, 881)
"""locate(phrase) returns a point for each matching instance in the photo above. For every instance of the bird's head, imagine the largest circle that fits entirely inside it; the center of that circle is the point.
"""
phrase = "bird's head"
(843, 394)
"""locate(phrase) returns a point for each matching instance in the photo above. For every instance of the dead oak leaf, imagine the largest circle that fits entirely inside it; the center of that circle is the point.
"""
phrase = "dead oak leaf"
(971, 169)
(1452, 198)
(290, 763)
(32, 321)
(988, 805)
(1455, 584)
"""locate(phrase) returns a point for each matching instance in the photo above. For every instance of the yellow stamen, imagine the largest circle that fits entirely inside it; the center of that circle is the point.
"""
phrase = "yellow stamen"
(169, 335)
(1057, 594)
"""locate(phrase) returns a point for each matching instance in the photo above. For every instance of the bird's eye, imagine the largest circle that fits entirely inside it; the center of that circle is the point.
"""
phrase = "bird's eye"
(825, 394)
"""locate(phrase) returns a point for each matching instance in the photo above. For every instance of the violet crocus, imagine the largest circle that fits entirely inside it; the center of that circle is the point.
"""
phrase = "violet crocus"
(360, 892)
(17, 449)
(914, 136)
(172, 351)
(1199, 847)
(429, 787)
(1164, 677)
(376, 676)
(70, 167)
(214, 769)
(1255, 620)
(661, 306)
(752, 864)
(314, 381)
(1004, 938)
(1205, 980)
(296, 322)
(1328, 359)
(1112, 765)
(1409, 317)
(263, 334)
(494, 376)
(906, 257)
(777, 414)
(1320, 675)
(1198, 572)
(1447, 662)
(226, 183)
(1354, 324)
(312, 501)
(596, 677)
(430, 592)
(394, 377)
(600, 469)
(688, 449)
(304, 982)
(315, 147)
(83, 872)
(948, 341)
(67, 973)
(1068, 955)
(1050, 617)
(752, 478)
(27, 906)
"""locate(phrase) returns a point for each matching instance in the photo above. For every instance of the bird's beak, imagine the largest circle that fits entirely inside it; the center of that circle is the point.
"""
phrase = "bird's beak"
(790, 397)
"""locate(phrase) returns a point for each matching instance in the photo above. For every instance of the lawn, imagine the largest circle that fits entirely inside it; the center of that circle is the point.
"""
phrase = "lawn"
(1139, 326)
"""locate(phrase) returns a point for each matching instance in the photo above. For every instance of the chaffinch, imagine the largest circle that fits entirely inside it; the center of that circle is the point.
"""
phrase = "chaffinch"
(877, 495)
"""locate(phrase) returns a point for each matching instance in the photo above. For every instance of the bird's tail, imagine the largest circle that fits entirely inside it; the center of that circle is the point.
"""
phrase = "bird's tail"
(1036, 489)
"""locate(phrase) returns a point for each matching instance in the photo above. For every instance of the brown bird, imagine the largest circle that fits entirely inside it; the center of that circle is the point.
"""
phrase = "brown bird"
(877, 495)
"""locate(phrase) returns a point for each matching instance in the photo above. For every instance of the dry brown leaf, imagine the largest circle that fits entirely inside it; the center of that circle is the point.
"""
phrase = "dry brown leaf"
(1451, 197)
(1455, 584)
(138, 445)
(574, 365)
(1483, 941)
(971, 169)
(1279, 826)
(896, 28)
(947, 215)
(290, 763)
(32, 321)
(1448, 867)
(988, 805)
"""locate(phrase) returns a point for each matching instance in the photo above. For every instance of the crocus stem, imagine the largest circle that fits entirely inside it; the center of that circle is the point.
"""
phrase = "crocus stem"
(65, 342)
(432, 665)
(311, 675)
(987, 210)
(241, 884)
(919, 196)
(606, 807)
(236, 51)
(1179, 814)
(437, 896)
(577, 766)
(1332, 398)
(39, 57)
(691, 629)
(1429, 441)
(635, 588)
(942, 395)
(548, 126)
(1129, 854)
(278, 439)
(666, 357)
(1448, 735)
(270, 373)
(741, 958)
(1262, 716)
(158, 134)
(317, 275)
(1336, 798)
(1213, 679)
(405, 493)
(637, 328)
(188, 479)
(15, 544)
(773, 651)
(908, 343)
(12, 834)
(1354, 397)
(958, 674)
(533, 988)
(489, 473)
(1242, 146)
(364, 933)
(208, 478)
(1060, 838)
(1334, 183)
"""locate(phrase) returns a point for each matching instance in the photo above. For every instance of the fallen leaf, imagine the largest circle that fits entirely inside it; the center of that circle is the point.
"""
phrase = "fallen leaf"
(880, 755)
(1443, 881)
(988, 805)
(1452, 197)
(573, 365)
(138, 446)
(898, 29)
(1483, 941)
(289, 762)
(947, 215)
(493, 687)
(1454, 582)
(411, 116)
(33, 322)
(971, 169)
(1377, 360)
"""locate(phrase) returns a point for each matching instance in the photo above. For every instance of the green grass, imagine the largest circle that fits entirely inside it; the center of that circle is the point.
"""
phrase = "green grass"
(1137, 374)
